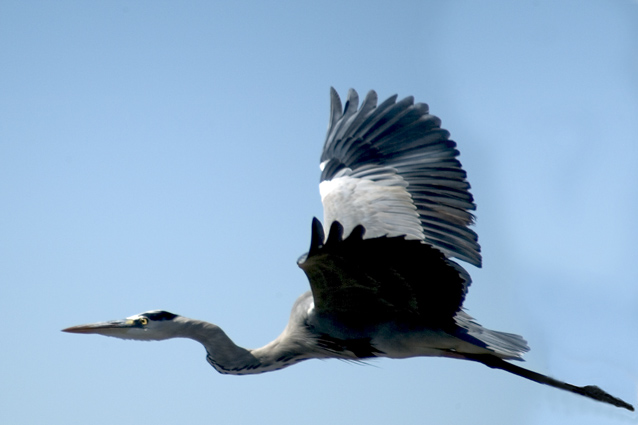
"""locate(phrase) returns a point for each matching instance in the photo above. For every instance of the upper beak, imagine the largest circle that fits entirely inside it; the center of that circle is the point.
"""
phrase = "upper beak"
(100, 327)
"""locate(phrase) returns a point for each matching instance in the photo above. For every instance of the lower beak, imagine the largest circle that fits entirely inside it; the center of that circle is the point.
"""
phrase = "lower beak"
(93, 328)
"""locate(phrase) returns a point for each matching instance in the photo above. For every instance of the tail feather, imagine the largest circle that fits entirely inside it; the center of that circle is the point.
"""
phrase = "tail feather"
(504, 345)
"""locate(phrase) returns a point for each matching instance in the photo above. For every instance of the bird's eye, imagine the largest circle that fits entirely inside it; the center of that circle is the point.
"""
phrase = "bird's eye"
(143, 321)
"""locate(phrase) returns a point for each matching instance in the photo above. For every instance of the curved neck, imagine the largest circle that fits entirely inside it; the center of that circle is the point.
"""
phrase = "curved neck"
(228, 358)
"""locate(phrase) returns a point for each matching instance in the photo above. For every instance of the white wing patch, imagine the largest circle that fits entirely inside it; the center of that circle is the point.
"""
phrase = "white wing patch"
(384, 207)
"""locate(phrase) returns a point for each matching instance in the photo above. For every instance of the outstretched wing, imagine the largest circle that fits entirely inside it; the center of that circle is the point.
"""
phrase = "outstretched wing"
(392, 169)
(359, 282)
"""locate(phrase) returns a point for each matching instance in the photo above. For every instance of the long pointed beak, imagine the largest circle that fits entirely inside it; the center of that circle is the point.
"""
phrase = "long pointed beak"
(101, 328)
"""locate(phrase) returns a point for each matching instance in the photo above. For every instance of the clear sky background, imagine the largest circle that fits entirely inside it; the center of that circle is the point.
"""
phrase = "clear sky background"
(165, 155)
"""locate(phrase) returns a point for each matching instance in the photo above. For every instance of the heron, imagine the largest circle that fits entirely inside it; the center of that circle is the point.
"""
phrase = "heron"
(383, 277)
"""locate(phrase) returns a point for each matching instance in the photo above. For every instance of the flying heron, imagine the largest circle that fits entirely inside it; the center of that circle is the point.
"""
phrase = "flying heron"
(397, 209)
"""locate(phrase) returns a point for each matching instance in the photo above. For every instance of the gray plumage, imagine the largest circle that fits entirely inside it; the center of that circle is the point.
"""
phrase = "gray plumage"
(383, 282)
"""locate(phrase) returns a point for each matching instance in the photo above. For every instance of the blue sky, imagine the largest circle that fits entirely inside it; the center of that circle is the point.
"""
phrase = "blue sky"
(165, 155)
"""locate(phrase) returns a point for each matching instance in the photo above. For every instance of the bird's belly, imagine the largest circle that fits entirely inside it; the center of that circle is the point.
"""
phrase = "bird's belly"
(425, 342)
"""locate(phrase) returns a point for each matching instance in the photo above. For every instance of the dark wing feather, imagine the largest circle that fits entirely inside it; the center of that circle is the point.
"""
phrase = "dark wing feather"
(362, 282)
(394, 170)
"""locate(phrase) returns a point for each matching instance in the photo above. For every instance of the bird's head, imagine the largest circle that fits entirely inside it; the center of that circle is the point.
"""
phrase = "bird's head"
(155, 325)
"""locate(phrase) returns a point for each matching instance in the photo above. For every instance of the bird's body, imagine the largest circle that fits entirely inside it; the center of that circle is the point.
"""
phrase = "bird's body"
(383, 281)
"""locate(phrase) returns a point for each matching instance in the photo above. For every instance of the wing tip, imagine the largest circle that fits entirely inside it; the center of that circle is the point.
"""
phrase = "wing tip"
(336, 233)
(317, 237)
(335, 107)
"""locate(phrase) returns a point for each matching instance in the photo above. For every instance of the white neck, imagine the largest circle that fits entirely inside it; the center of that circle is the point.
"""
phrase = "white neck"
(228, 358)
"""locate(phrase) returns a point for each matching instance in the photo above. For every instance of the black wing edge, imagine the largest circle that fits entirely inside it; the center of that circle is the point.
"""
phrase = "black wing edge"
(403, 277)
(335, 235)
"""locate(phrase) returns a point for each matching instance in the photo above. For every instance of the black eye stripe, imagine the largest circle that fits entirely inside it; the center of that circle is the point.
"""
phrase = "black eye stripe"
(159, 315)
